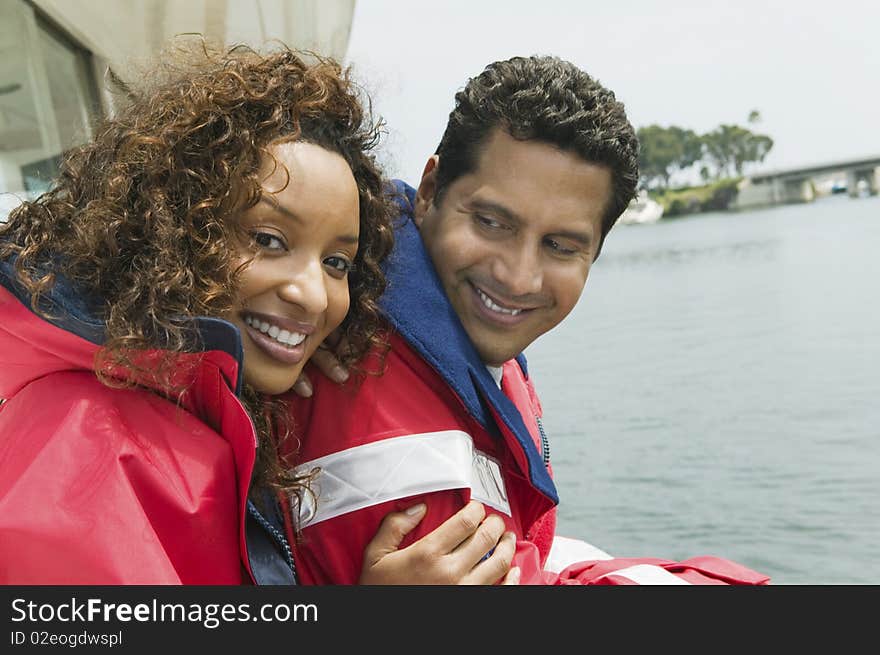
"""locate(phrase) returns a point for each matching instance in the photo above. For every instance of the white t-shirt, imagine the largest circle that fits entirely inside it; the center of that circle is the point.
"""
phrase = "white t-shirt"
(496, 372)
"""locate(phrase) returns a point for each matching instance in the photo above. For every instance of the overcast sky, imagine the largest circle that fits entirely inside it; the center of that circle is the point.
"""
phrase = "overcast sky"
(811, 68)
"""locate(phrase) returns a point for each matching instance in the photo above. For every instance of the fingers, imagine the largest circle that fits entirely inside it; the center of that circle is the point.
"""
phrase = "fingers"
(394, 527)
(328, 363)
(466, 542)
(482, 541)
(468, 548)
(303, 386)
(512, 577)
(458, 528)
(497, 565)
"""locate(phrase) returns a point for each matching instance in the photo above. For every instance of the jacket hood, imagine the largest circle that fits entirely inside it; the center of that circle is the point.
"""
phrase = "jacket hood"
(70, 333)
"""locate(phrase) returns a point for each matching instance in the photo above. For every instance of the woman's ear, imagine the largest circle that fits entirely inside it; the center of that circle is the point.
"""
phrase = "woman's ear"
(427, 189)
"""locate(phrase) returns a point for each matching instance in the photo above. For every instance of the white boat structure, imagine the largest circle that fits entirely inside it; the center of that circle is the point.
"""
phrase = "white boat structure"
(641, 209)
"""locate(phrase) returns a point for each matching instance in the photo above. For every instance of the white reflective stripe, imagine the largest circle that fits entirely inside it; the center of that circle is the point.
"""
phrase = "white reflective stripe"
(394, 468)
(648, 574)
(565, 552)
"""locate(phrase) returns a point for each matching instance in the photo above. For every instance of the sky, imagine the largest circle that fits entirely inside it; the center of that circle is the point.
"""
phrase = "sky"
(812, 69)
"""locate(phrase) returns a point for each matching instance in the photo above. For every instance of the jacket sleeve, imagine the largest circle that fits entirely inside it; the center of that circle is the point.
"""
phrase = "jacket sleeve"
(704, 570)
(101, 486)
(574, 562)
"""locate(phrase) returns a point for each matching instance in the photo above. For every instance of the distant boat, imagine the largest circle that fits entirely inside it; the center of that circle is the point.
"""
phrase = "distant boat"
(641, 209)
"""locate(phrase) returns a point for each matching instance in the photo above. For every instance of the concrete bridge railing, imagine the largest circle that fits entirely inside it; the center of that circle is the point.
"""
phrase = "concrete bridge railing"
(797, 185)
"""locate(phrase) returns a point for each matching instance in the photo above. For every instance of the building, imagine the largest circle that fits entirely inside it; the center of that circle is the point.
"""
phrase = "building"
(55, 55)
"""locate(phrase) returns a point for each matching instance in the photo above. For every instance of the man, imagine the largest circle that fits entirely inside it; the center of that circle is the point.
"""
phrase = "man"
(493, 250)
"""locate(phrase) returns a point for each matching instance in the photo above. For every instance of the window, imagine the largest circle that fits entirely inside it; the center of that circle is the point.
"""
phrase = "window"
(47, 102)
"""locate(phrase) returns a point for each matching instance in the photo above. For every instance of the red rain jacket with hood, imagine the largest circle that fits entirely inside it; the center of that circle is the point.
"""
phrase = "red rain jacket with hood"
(111, 486)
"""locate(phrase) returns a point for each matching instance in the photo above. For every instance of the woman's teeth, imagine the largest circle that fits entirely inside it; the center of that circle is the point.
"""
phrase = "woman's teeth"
(496, 308)
(285, 337)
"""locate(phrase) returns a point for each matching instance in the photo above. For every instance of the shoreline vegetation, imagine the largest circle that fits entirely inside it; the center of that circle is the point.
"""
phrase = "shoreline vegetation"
(718, 157)
(683, 201)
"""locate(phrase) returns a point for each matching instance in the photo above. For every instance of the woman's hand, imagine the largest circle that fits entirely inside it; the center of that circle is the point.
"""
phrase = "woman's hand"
(453, 554)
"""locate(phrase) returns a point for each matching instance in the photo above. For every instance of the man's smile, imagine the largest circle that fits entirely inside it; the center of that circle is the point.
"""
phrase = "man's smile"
(496, 311)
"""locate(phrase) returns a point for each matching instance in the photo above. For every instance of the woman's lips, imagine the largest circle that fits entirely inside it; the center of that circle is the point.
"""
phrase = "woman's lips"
(275, 349)
(282, 352)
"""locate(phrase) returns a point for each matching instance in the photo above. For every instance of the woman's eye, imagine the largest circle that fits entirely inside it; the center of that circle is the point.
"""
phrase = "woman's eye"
(339, 266)
(268, 241)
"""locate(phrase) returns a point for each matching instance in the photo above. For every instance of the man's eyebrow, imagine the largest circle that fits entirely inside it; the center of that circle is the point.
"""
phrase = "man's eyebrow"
(491, 207)
(580, 237)
(284, 211)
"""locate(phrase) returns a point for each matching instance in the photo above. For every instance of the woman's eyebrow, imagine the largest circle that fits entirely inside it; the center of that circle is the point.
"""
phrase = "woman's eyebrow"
(274, 204)
(284, 211)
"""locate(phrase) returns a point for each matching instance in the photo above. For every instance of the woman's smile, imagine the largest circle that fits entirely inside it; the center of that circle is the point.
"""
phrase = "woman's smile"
(280, 338)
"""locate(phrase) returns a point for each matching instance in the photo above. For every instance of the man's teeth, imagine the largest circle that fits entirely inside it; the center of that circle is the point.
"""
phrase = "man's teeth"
(281, 336)
(495, 308)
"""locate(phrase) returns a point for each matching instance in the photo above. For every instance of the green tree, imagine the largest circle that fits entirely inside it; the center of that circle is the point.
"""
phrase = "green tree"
(690, 147)
(719, 148)
(730, 147)
(753, 149)
(665, 150)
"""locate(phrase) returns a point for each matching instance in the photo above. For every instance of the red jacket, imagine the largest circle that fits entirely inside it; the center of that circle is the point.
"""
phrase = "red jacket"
(435, 427)
(387, 442)
(113, 486)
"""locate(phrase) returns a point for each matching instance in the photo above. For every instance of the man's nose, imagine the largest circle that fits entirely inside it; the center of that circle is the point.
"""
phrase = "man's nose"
(519, 270)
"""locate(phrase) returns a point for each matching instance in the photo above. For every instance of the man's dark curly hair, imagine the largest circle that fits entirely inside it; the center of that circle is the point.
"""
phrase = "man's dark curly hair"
(143, 217)
(546, 99)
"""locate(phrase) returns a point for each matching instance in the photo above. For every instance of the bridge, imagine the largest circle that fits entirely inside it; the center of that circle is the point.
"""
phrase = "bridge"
(798, 184)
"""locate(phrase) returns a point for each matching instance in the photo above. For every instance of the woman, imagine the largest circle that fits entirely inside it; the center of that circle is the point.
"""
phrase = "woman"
(188, 262)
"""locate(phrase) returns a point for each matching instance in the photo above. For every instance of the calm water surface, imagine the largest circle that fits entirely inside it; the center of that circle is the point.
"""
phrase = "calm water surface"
(717, 391)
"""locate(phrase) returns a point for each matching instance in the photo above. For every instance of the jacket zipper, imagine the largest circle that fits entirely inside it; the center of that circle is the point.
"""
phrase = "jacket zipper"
(279, 538)
(545, 442)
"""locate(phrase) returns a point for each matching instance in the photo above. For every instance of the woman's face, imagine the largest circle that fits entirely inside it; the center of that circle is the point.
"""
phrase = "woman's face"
(295, 291)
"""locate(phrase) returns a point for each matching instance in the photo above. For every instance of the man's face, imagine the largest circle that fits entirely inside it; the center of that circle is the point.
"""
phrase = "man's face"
(513, 240)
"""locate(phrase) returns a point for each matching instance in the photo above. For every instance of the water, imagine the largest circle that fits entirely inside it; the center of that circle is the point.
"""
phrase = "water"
(717, 392)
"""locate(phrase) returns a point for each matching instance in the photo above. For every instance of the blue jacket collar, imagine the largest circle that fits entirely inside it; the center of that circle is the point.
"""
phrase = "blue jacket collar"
(416, 305)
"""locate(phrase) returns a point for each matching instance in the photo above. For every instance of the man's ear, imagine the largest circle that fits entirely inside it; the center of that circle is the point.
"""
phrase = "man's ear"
(427, 189)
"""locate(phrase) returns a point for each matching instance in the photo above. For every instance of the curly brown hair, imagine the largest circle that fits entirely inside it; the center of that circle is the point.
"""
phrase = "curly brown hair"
(548, 99)
(143, 216)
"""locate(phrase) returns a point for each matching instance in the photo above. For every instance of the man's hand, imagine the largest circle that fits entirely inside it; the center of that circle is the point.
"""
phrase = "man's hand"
(326, 359)
(453, 554)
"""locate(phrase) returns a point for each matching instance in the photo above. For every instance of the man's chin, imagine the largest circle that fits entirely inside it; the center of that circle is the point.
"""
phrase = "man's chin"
(494, 357)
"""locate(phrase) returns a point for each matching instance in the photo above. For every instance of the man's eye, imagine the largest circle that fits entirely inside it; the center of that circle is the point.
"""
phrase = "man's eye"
(485, 221)
(339, 266)
(558, 248)
(268, 241)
